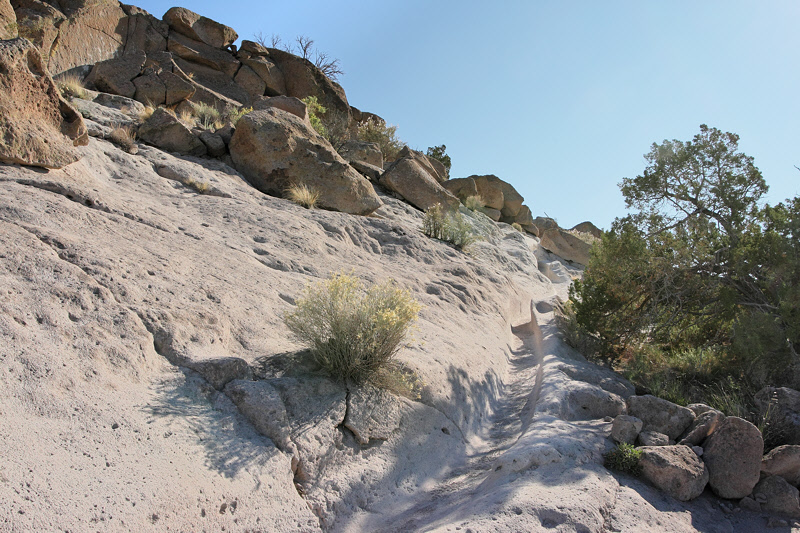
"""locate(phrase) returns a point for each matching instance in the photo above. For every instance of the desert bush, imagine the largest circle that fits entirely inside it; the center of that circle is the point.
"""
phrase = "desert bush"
(448, 226)
(124, 137)
(517, 226)
(207, 116)
(352, 332)
(301, 194)
(315, 109)
(375, 131)
(201, 187)
(146, 113)
(624, 458)
(474, 202)
(71, 86)
(234, 113)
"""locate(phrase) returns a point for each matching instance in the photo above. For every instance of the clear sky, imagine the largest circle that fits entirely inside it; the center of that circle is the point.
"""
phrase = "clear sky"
(559, 98)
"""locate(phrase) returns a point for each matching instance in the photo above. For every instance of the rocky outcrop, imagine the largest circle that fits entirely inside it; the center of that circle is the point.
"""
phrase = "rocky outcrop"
(704, 425)
(275, 149)
(290, 104)
(652, 438)
(270, 74)
(116, 75)
(660, 415)
(502, 201)
(733, 456)
(8, 21)
(37, 126)
(165, 131)
(409, 176)
(562, 243)
(675, 470)
(783, 461)
(588, 227)
(199, 28)
(372, 413)
(363, 151)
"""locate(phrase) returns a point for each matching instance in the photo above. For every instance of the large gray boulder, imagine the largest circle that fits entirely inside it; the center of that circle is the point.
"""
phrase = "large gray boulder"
(363, 151)
(675, 470)
(660, 415)
(199, 28)
(275, 149)
(37, 126)
(195, 51)
(733, 456)
(783, 461)
(165, 131)
(704, 425)
(625, 429)
(409, 176)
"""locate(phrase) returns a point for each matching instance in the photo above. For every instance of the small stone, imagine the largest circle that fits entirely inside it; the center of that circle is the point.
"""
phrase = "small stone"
(698, 450)
(776, 522)
(749, 504)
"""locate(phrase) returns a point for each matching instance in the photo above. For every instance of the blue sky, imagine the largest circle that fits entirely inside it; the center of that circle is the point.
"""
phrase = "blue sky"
(560, 99)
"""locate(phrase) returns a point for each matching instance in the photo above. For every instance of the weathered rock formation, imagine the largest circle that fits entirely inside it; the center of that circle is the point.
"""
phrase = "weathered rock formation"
(675, 470)
(733, 456)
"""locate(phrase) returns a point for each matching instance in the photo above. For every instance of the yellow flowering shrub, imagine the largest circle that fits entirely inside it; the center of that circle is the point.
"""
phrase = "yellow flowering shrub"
(352, 331)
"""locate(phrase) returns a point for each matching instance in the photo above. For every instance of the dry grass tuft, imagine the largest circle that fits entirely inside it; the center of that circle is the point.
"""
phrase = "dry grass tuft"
(71, 86)
(124, 137)
(301, 194)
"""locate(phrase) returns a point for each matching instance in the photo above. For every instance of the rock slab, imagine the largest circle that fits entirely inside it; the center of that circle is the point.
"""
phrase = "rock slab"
(675, 470)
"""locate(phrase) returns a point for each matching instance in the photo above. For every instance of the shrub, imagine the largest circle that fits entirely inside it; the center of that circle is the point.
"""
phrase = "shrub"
(207, 116)
(71, 86)
(201, 187)
(146, 113)
(352, 332)
(376, 131)
(233, 114)
(315, 109)
(517, 226)
(474, 203)
(624, 458)
(448, 226)
(438, 153)
(124, 137)
(301, 194)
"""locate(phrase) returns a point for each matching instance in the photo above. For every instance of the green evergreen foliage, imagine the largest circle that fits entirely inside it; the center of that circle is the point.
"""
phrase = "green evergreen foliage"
(624, 458)
(438, 153)
(315, 109)
(385, 135)
(701, 283)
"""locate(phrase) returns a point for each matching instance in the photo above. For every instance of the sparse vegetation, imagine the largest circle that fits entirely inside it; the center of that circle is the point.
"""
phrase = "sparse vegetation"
(124, 137)
(201, 187)
(353, 332)
(303, 47)
(376, 131)
(315, 109)
(146, 113)
(586, 237)
(302, 195)
(517, 226)
(438, 153)
(233, 114)
(448, 226)
(71, 86)
(474, 202)
(208, 117)
(624, 458)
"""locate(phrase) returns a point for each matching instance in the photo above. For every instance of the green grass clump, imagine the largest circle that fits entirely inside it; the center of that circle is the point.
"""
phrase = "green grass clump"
(208, 116)
(233, 114)
(315, 109)
(624, 458)
(448, 226)
(353, 332)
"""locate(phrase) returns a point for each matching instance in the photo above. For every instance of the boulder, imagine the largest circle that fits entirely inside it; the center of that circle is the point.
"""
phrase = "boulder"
(408, 177)
(652, 438)
(262, 405)
(116, 75)
(221, 370)
(625, 429)
(675, 470)
(145, 32)
(590, 402)
(372, 413)
(128, 106)
(562, 243)
(199, 28)
(303, 79)
(733, 456)
(275, 149)
(8, 21)
(363, 151)
(177, 89)
(37, 126)
(660, 415)
(423, 160)
(588, 227)
(212, 87)
(778, 496)
(783, 461)
(250, 82)
(252, 49)
(699, 408)
(150, 89)
(269, 73)
(524, 217)
(165, 131)
(704, 425)
(215, 145)
(782, 405)
(462, 188)
(38, 22)
(371, 172)
(290, 104)
(197, 52)
(492, 196)
(440, 169)
(104, 115)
